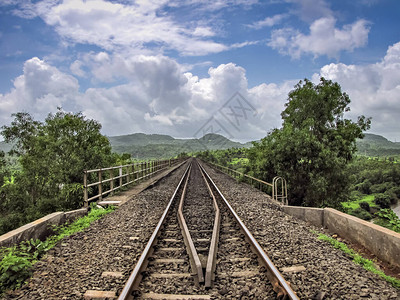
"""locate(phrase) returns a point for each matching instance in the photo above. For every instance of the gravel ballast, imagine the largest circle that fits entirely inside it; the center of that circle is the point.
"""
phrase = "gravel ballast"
(111, 244)
(114, 243)
(327, 273)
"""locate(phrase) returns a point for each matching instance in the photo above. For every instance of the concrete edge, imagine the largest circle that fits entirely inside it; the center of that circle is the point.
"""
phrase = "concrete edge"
(382, 242)
(40, 228)
(312, 215)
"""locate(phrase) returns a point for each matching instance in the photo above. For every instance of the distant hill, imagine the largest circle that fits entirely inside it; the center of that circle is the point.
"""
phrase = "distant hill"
(141, 145)
(377, 145)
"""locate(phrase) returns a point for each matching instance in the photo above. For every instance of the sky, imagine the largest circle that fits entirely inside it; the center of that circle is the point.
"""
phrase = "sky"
(190, 67)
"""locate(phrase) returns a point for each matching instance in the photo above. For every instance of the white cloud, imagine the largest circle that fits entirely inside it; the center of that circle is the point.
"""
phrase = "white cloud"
(268, 21)
(374, 90)
(159, 96)
(324, 38)
(113, 25)
(41, 89)
(311, 10)
(76, 68)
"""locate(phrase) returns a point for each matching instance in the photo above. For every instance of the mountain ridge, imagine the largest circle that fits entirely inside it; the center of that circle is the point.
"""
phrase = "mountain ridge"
(155, 146)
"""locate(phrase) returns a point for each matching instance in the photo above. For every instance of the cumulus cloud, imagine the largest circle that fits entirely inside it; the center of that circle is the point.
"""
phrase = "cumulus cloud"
(40, 89)
(159, 96)
(324, 38)
(374, 89)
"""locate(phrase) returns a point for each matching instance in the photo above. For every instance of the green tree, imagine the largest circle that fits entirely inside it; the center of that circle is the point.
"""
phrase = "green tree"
(53, 155)
(2, 168)
(314, 145)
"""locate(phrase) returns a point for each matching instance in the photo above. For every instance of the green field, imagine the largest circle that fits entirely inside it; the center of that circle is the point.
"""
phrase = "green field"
(356, 204)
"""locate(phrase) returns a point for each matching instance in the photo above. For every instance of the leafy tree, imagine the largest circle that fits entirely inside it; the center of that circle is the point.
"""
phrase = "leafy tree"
(314, 145)
(2, 168)
(53, 156)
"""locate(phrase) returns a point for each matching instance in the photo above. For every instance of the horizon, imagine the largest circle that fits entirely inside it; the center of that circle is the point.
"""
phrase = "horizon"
(189, 67)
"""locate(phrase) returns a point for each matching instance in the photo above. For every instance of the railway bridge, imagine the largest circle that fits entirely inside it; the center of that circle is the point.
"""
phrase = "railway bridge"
(197, 233)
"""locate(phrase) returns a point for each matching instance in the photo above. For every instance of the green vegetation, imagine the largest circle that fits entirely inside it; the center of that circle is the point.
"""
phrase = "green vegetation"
(387, 218)
(233, 158)
(50, 158)
(375, 182)
(315, 152)
(17, 261)
(358, 259)
(314, 146)
(378, 146)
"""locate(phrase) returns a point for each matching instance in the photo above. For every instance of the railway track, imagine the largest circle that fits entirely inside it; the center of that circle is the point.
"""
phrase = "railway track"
(200, 249)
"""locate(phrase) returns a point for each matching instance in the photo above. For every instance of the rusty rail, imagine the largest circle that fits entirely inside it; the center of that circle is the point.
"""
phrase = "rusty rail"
(280, 285)
(135, 277)
(127, 174)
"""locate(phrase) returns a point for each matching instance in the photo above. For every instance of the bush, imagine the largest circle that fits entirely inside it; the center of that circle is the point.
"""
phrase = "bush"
(395, 190)
(392, 197)
(383, 200)
(381, 188)
(387, 218)
(361, 213)
(365, 206)
(364, 187)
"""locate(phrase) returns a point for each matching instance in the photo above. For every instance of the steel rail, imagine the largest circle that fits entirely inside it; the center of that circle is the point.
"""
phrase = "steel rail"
(279, 284)
(212, 254)
(193, 255)
(135, 277)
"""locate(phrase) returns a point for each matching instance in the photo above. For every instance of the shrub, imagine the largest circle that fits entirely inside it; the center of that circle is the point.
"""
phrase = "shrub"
(383, 200)
(395, 190)
(361, 213)
(365, 206)
(364, 187)
(381, 188)
(391, 196)
(387, 218)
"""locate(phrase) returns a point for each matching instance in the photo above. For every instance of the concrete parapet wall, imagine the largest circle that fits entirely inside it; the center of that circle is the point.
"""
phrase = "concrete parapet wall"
(381, 241)
(312, 215)
(39, 229)
(384, 243)
(70, 216)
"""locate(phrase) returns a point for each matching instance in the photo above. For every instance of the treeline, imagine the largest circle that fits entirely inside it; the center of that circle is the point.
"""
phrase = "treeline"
(43, 172)
(380, 178)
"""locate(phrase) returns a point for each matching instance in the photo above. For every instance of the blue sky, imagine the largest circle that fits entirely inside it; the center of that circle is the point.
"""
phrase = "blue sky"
(175, 67)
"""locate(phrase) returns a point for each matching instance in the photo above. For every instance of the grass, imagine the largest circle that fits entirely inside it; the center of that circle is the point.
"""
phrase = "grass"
(17, 261)
(356, 204)
(358, 259)
(242, 160)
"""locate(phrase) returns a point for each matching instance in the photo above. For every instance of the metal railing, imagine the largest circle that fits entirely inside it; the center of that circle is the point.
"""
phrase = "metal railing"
(108, 180)
(277, 194)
